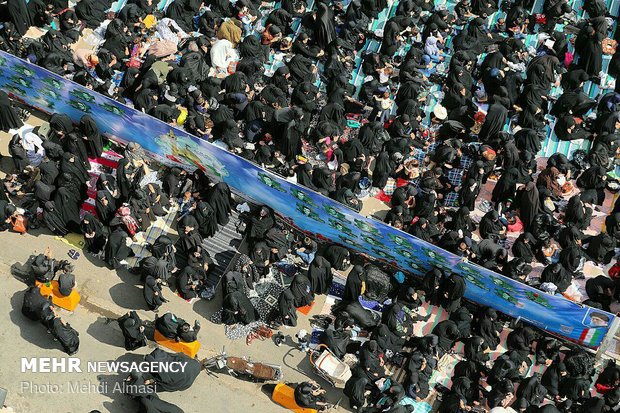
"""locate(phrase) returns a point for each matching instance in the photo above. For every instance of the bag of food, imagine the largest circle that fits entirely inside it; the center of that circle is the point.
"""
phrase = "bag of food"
(609, 46)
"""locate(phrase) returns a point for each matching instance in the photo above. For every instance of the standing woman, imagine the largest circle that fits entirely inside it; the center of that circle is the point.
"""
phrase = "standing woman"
(19, 15)
(90, 131)
(589, 49)
(220, 199)
(355, 285)
(18, 153)
(453, 291)
(529, 205)
(8, 115)
(324, 29)
(286, 308)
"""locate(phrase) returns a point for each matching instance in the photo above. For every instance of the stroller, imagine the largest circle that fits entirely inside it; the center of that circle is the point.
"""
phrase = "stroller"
(327, 365)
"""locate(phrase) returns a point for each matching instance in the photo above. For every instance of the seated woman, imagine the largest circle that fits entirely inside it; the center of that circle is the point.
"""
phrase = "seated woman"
(175, 328)
(461, 396)
(189, 236)
(153, 294)
(237, 308)
(577, 213)
(302, 290)
(141, 208)
(66, 280)
(309, 394)
(567, 129)
(189, 283)
(259, 222)
(95, 234)
(158, 199)
(116, 249)
(163, 249)
(68, 337)
(133, 330)
(191, 280)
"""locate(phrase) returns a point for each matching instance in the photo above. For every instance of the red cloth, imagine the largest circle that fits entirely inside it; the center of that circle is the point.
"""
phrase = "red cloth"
(516, 227)
(540, 18)
(383, 197)
(614, 271)
(602, 389)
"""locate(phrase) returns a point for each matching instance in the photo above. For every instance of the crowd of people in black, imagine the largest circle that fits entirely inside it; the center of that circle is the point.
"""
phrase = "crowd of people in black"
(449, 89)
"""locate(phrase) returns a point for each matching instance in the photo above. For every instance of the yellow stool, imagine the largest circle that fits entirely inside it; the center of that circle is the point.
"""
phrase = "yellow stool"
(191, 349)
(52, 288)
(285, 396)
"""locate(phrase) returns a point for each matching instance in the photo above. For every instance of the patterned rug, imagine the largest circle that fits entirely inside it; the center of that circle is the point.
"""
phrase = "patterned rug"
(264, 298)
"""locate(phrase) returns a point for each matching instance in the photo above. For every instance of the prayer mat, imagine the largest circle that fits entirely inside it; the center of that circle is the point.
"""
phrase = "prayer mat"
(72, 239)
(305, 310)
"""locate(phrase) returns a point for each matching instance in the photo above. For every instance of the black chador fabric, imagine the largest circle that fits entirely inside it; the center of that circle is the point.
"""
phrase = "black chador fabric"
(302, 290)
(95, 234)
(336, 340)
(447, 332)
(237, 308)
(475, 349)
(354, 284)
(219, 197)
(130, 325)
(494, 122)
(8, 115)
(363, 317)
(73, 165)
(19, 15)
(490, 225)
(18, 153)
(552, 376)
(90, 13)
(489, 328)
(577, 214)
(259, 223)
(300, 68)
(324, 29)
(189, 237)
(116, 249)
(524, 246)
(152, 293)
(337, 256)
(151, 403)
(506, 186)
(66, 335)
(355, 389)
(174, 381)
(286, 308)
(206, 219)
(529, 205)
(320, 275)
(94, 142)
(63, 214)
(431, 285)
(35, 306)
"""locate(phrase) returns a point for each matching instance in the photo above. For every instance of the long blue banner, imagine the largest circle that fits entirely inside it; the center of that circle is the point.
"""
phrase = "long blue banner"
(316, 215)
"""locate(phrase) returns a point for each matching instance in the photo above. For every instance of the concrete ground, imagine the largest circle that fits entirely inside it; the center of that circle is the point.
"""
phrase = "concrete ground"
(106, 295)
